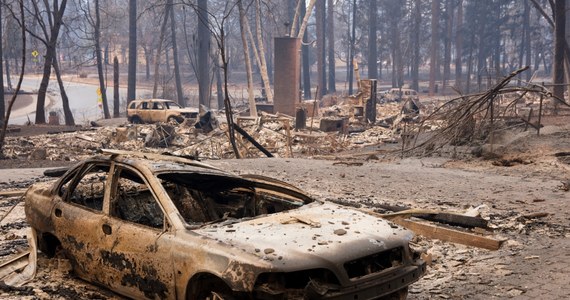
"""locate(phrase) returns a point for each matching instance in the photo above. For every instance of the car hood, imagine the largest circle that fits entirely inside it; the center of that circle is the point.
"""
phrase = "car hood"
(186, 110)
(315, 235)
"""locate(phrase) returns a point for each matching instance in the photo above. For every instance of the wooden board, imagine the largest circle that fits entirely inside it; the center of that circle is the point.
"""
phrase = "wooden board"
(449, 235)
(12, 193)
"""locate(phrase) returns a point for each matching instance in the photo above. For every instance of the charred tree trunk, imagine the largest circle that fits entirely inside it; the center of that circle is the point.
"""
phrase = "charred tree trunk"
(2, 103)
(227, 103)
(132, 75)
(372, 37)
(116, 100)
(416, 45)
(19, 84)
(447, 46)
(330, 38)
(68, 116)
(351, 56)
(48, 59)
(148, 62)
(219, 90)
(397, 65)
(559, 48)
(179, 93)
(525, 28)
(528, 42)
(99, 56)
(261, 53)
(305, 22)
(434, 51)
(459, 45)
(470, 65)
(159, 48)
(203, 54)
(321, 75)
(167, 58)
(305, 54)
(248, 69)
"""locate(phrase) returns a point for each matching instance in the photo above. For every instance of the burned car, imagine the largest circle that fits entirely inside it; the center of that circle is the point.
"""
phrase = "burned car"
(159, 110)
(167, 227)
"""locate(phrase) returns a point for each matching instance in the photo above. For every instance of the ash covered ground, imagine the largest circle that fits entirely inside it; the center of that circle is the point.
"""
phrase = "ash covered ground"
(522, 189)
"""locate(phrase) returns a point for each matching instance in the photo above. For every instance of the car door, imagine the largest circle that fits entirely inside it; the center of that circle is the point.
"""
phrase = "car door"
(158, 113)
(144, 111)
(136, 255)
(78, 216)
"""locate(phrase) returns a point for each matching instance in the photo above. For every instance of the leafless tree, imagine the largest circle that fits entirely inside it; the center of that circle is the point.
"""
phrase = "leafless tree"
(159, 49)
(320, 11)
(132, 72)
(93, 17)
(2, 104)
(434, 50)
(49, 18)
(178, 80)
(372, 36)
(203, 53)
(459, 45)
(19, 84)
(261, 53)
(116, 100)
(249, 73)
(559, 48)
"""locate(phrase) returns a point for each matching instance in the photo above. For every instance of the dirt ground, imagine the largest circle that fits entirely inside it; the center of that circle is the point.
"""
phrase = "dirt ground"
(522, 189)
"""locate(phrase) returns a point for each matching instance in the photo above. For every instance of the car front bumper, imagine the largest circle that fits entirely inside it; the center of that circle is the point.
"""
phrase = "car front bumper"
(372, 288)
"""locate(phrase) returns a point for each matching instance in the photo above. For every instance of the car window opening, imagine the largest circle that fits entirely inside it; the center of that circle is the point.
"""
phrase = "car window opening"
(134, 202)
(89, 189)
(223, 198)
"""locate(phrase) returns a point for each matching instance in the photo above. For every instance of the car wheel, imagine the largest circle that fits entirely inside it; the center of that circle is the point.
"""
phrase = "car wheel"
(210, 289)
(216, 295)
(48, 244)
(136, 120)
(174, 120)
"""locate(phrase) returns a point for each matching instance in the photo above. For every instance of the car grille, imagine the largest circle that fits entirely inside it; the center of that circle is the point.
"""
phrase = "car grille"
(190, 115)
(374, 263)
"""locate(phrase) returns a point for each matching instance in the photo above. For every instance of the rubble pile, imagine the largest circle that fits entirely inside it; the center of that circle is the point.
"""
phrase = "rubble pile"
(473, 119)
(275, 133)
(340, 127)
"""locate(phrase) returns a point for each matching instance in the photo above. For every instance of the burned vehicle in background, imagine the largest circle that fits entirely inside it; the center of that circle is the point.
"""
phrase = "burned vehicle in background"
(159, 110)
(158, 226)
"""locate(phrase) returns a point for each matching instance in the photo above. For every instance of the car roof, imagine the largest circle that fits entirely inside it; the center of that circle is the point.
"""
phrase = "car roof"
(399, 89)
(160, 163)
(153, 159)
(154, 100)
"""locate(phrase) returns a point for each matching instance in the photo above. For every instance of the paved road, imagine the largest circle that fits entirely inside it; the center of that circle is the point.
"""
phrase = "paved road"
(82, 97)
(19, 175)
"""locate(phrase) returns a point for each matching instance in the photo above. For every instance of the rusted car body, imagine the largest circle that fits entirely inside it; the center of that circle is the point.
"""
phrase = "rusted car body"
(159, 110)
(164, 227)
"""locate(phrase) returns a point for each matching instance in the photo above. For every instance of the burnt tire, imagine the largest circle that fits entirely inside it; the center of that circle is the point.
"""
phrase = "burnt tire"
(48, 244)
(209, 287)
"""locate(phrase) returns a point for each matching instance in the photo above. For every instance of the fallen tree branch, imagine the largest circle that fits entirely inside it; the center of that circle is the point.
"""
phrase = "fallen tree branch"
(252, 140)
